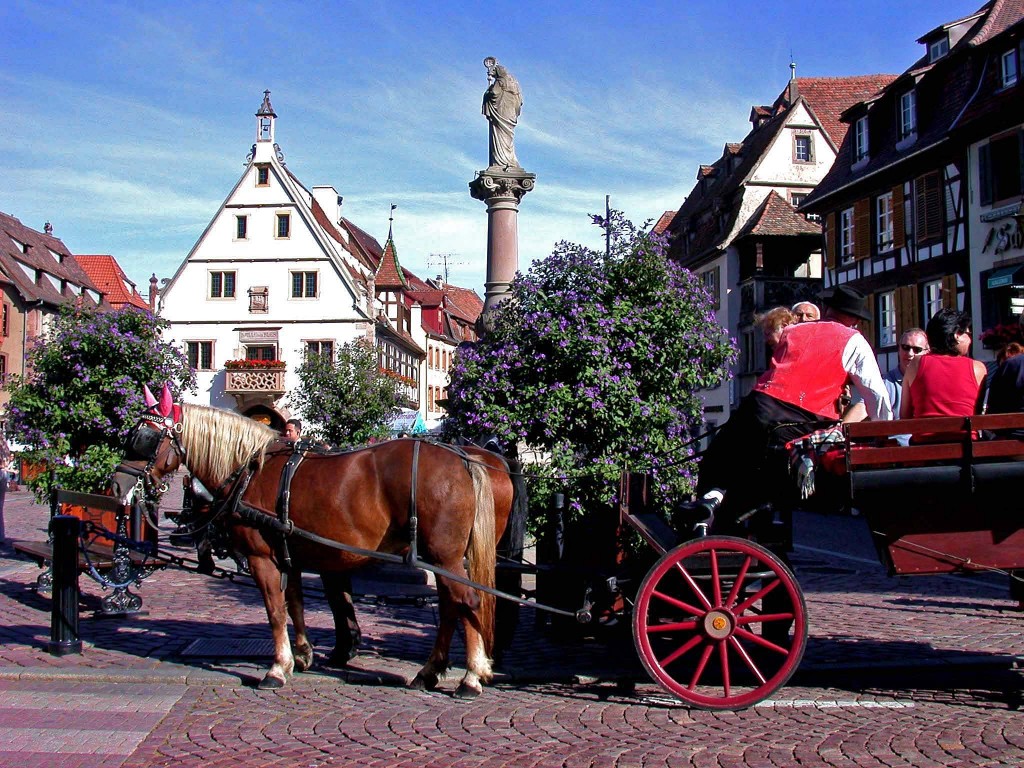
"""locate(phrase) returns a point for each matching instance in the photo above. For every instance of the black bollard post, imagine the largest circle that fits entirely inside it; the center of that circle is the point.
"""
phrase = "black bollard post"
(64, 639)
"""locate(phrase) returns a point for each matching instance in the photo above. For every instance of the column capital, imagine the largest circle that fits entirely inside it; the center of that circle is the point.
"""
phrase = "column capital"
(498, 183)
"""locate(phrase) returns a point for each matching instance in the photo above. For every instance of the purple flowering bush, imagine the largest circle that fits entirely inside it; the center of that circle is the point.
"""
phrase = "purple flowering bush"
(598, 361)
(83, 393)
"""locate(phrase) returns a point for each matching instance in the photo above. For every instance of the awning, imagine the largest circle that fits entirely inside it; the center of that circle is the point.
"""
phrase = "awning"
(1006, 276)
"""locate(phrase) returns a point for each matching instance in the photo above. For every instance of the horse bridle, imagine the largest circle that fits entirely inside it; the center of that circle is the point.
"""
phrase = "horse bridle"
(154, 432)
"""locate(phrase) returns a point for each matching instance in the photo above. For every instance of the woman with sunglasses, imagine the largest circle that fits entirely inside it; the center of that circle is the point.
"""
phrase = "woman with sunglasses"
(945, 382)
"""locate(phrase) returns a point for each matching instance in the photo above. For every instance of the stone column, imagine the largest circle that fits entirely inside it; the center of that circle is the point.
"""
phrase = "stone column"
(501, 189)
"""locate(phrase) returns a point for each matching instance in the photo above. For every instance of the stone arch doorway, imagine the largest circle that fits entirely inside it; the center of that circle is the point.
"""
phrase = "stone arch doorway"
(265, 415)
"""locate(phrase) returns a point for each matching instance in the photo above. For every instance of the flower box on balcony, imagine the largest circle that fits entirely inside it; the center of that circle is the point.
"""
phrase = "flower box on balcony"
(255, 365)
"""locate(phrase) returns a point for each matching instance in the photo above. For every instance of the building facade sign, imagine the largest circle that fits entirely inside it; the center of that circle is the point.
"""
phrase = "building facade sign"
(1007, 236)
(251, 335)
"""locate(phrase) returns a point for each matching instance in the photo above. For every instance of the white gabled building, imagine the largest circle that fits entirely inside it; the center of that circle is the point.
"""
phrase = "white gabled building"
(276, 272)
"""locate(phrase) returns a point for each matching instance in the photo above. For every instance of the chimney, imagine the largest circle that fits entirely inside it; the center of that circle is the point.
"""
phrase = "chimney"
(327, 197)
(48, 228)
(153, 293)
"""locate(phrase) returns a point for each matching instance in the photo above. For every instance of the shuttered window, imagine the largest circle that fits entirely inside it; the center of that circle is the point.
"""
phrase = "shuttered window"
(830, 241)
(899, 219)
(862, 229)
(928, 207)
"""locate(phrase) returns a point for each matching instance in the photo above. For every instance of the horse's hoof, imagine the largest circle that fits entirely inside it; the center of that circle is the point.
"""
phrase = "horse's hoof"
(339, 660)
(303, 658)
(269, 683)
(423, 682)
(466, 692)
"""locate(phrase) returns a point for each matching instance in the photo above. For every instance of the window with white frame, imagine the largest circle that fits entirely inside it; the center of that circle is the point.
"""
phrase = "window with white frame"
(1009, 69)
(938, 48)
(200, 355)
(932, 298)
(304, 285)
(241, 227)
(284, 226)
(887, 319)
(860, 142)
(261, 352)
(883, 222)
(846, 241)
(222, 285)
(712, 281)
(908, 114)
(803, 149)
(320, 348)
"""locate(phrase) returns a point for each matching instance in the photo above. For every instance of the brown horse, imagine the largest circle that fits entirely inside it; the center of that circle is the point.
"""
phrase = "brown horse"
(368, 500)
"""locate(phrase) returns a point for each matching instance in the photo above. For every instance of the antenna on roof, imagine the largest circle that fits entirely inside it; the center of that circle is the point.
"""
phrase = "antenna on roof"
(444, 260)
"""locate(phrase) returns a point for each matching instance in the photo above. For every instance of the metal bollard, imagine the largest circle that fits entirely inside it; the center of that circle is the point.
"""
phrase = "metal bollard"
(64, 595)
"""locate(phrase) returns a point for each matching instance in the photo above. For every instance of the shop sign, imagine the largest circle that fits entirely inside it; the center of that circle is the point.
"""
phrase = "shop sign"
(1008, 236)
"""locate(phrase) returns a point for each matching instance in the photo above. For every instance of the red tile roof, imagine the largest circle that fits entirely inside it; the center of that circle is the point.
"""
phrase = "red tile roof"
(389, 271)
(662, 224)
(829, 97)
(776, 217)
(108, 276)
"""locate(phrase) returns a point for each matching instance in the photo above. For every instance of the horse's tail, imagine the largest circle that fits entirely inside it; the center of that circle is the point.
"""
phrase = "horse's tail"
(482, 551)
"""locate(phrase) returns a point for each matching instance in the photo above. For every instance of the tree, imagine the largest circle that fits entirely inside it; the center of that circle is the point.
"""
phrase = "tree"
(84, 390)
(346, 401)
(596, 359)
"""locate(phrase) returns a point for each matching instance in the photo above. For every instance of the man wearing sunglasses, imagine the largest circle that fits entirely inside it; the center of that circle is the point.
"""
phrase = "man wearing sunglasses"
(913, 343)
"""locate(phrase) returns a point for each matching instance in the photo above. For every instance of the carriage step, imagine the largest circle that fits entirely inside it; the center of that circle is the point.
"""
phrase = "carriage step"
(655, 530)
(392, 573)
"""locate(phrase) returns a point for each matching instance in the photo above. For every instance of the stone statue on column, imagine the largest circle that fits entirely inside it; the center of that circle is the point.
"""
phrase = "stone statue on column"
(503, 101)
(501, 186)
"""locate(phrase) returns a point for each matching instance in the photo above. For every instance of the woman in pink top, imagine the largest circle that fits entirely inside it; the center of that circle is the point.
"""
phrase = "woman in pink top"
(945, 382)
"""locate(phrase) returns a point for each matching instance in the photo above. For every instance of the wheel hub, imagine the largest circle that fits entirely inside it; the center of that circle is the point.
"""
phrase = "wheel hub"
(718, 624)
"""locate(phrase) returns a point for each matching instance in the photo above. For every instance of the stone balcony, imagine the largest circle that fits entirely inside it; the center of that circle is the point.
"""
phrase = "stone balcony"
(251, 386)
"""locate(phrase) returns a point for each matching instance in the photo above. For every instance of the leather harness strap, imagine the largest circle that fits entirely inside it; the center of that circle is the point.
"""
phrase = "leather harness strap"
(412, 557)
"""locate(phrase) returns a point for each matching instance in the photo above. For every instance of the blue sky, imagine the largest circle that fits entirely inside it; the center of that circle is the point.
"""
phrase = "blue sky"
(127, 124)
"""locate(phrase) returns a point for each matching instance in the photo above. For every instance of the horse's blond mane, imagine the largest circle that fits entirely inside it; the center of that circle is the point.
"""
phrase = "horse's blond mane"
(217, 442)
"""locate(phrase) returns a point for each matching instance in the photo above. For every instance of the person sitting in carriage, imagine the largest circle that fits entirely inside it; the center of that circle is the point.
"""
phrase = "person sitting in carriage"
(797, 395)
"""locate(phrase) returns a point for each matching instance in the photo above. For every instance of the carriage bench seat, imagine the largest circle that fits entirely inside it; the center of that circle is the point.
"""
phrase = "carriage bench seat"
(951, 504)
(103, 512)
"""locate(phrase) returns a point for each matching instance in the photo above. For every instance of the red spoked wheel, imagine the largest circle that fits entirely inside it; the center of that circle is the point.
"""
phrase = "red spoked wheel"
(720, 622)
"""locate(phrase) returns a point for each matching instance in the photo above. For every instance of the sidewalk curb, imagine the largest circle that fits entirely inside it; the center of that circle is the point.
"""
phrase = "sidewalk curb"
(165, 674)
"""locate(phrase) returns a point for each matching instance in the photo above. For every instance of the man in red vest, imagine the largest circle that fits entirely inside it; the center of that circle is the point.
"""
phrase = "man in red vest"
(798, 394)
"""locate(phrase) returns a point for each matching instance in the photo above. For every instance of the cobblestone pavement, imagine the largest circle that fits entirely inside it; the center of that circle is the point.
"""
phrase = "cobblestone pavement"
(898, 672)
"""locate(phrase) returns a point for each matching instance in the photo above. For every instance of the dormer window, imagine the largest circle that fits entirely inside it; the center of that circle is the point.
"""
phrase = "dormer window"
(1009, 68)
(860, 140)
(938, 48)
(908, 114)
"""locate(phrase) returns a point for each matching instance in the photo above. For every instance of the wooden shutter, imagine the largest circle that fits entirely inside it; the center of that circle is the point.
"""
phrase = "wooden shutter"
(830, 241)
(949, 292)
(862, 229)
(928, 206)
(867, 327)
(906, 309)
(899, 219)
(985, 175)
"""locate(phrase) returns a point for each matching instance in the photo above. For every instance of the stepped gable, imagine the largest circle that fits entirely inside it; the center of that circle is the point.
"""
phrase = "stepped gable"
(23, 248)
(776, 217)
(108, 276)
